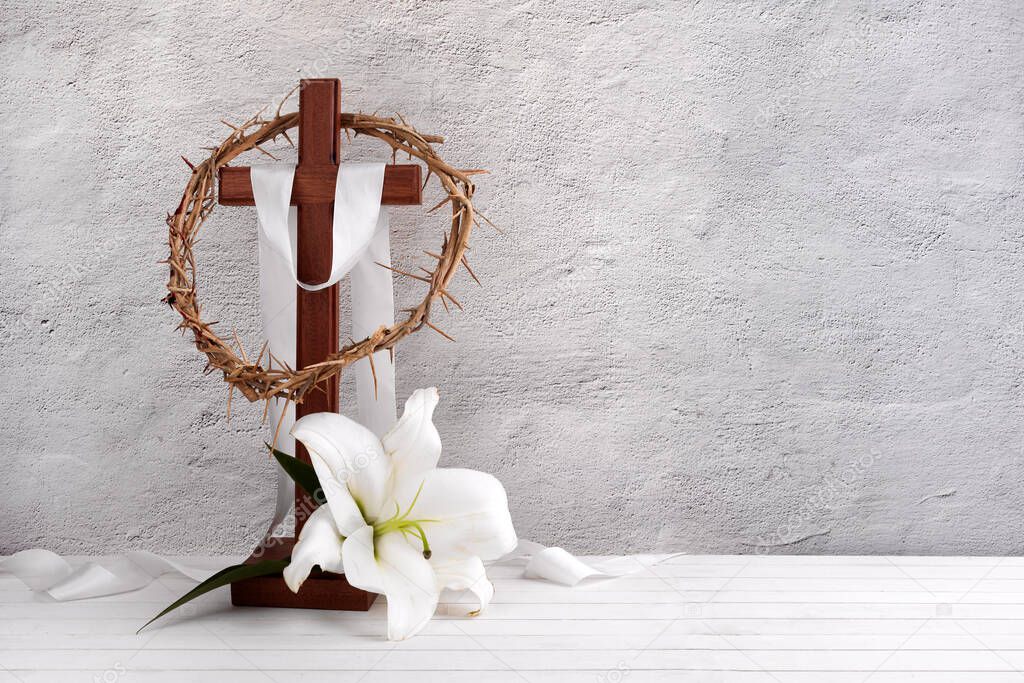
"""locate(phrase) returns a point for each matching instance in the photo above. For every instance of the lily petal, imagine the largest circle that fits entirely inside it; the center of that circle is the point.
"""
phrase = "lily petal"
(463, 512)
(360, 559)
(342, 506)
(319, 544)
(346, 454)
(467, 573)
(413, 443)
(390, 566)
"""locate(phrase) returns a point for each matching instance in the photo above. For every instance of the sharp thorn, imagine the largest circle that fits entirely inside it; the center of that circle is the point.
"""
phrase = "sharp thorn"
(402, 272)
(465, 263)
(438, 330)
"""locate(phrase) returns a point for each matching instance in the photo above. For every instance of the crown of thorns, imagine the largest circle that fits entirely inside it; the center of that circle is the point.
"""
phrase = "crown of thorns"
(265, 377)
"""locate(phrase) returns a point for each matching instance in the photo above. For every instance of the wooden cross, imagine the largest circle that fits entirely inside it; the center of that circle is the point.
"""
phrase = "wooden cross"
(316, 313)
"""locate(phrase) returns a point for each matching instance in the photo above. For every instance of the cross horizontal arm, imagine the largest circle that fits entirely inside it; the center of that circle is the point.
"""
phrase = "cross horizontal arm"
(402, 186)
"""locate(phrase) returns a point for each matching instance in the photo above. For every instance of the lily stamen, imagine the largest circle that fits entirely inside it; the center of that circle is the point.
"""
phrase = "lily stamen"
(405, 527)
(401, 523)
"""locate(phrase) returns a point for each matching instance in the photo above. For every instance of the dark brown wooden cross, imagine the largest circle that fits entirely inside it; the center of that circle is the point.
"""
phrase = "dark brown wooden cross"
(316, 313)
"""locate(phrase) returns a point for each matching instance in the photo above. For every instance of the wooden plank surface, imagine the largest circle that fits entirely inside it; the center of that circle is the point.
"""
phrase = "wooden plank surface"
(691, 618)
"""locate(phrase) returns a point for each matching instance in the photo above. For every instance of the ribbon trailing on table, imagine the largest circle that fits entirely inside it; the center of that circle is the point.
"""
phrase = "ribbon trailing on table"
(49, 573)
(558, 565)
(45, 572)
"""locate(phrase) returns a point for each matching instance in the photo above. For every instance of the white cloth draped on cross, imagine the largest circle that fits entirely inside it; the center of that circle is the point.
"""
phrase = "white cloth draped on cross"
(361, 240)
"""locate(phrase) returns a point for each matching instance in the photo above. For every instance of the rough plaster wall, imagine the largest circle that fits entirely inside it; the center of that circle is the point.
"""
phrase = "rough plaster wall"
(760, 283)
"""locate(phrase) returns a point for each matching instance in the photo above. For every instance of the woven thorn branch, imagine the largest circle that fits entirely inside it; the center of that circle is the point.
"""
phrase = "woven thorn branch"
(277, 380)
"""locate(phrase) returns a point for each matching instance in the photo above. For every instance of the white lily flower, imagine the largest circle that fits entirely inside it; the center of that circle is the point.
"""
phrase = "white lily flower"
(394, 523)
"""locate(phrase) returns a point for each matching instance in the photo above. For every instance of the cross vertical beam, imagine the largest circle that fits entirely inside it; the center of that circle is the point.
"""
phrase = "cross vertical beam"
(317, 315)
(316, 320)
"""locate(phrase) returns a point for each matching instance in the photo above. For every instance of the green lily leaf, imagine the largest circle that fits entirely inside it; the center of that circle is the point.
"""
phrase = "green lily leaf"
(302, 473)
(223, 578)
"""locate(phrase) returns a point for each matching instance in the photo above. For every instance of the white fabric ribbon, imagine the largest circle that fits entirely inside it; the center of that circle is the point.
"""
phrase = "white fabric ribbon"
(360, 241)
(45, 572)
(49, 573)
(562, 567)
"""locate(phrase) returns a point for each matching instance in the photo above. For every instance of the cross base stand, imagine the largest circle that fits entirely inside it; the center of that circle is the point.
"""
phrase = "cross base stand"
(322, 590)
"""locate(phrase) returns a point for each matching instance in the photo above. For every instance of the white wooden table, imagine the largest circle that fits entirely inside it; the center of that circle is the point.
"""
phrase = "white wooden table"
(694, 618)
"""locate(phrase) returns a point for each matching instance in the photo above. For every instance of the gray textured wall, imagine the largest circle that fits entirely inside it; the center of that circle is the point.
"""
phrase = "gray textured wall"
(760, 284)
